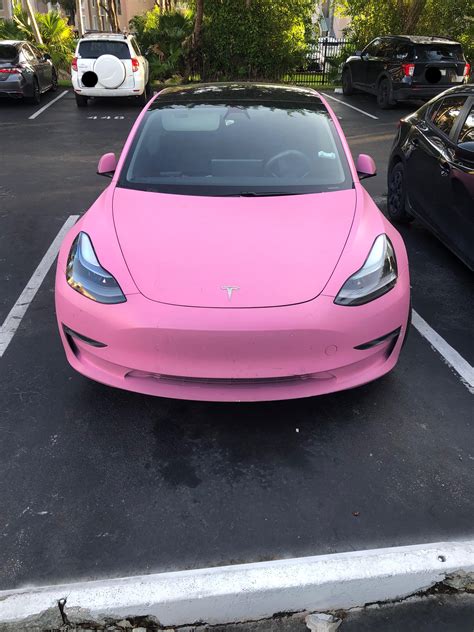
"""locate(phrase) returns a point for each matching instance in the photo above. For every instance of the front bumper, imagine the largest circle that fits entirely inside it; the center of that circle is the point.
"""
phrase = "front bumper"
(231, 354)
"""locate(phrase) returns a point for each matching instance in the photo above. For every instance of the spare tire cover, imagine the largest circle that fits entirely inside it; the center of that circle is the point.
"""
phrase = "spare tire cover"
(110, 70)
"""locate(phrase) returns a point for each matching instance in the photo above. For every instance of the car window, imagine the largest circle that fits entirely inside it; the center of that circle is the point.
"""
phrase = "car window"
(135, 47)
(401, 50)
(373, 48)
(444, 115)
(386, 48)
(92, 49)
(8, 52)
(29, 55)
(438, 52)
(467, 130)
(36, 53)
(230, 148)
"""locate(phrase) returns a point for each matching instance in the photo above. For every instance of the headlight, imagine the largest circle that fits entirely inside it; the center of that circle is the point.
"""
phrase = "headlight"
(377, 276)
(85, 274)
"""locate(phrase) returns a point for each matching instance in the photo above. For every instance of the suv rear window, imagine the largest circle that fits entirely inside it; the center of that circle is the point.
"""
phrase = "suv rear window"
(439, 52)
(8, 53)
(92, 49)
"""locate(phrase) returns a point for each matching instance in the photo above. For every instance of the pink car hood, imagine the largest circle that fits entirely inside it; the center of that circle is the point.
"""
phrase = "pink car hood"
(186, 250)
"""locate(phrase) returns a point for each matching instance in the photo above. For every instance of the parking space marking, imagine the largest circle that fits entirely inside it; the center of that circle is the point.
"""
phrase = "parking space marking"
(449, 355)
(45, 107)
(353, 107)
(14, 318)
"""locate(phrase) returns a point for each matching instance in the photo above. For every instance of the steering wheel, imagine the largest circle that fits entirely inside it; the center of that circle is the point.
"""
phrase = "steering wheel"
(290, 162)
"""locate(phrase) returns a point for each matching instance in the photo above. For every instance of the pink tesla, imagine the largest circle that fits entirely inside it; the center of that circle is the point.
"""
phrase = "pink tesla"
(235, 255)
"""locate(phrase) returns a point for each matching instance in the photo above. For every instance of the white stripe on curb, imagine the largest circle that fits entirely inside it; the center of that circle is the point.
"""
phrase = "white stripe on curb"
(449, 355)
(45, 107)
(255, 591)
(353, 107)
(14, 318)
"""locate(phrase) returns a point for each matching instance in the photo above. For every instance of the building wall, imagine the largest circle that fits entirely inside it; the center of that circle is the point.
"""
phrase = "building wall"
(5, 9)
(130, 8)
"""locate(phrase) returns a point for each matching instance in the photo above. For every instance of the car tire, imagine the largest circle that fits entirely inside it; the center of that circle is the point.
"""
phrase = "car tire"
(81, 100)
(54, 81)
(347, 87)
(384, 95)
(35, 98)
(397, 195)
(144, 97)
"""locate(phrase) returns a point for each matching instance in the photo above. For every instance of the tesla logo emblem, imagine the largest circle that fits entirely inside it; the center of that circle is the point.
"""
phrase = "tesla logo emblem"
(229, 289)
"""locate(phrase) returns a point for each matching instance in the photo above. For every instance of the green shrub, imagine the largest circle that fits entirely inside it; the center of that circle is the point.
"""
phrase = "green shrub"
(254, 39)
(162, 35)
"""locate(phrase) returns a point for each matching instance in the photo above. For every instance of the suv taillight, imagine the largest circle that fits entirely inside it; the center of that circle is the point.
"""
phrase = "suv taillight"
(467, 69)
(10, 71)
(408, 69)
(74, 63)
(135, 64)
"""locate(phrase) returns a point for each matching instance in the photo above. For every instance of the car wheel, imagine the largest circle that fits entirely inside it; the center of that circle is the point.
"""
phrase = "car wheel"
(384, 97)
(347, 87)
(36, 96)
(81, 100)
(143, 98)
(54, 81)
(397, 195)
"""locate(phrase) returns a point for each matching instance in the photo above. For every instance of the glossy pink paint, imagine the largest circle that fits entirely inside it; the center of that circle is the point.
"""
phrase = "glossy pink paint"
(281, 336)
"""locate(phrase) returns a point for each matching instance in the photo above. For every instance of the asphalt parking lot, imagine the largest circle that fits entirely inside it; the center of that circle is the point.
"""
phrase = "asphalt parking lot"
(102, 483)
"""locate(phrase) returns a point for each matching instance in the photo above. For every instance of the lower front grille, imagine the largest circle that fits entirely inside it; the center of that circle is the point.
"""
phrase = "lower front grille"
(179, 379)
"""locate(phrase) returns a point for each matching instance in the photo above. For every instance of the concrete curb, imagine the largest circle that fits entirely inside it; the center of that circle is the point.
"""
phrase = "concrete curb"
(255, 591)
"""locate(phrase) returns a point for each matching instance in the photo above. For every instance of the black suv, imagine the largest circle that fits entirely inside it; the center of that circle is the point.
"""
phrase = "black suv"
(405, 67)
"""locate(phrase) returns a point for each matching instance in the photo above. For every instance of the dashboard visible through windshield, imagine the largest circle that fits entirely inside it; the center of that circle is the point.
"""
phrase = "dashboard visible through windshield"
(236, 149)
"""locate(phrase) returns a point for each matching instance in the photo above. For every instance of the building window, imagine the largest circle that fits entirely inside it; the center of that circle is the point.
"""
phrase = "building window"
(1, 5)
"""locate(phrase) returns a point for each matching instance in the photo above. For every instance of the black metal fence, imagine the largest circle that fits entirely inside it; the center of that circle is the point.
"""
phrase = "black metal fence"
(323, 63)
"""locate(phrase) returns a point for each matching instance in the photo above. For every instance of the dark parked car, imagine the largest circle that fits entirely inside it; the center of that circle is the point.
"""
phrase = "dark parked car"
(431, 170)
(403, 67)
(25, 71)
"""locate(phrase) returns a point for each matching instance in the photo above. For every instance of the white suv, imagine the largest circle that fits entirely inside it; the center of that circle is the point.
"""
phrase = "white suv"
(109, 65)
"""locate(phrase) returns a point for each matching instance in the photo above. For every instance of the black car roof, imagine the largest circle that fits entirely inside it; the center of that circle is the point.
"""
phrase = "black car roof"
(237, 91)
(424, 39)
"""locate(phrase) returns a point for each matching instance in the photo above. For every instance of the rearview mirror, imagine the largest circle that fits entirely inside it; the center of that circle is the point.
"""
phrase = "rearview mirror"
(365, 166)
(107, 165)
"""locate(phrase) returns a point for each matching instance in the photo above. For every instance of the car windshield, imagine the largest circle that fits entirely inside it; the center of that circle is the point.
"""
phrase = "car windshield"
(238, 148)
(8, 52)
(92, 49)
(438, 52)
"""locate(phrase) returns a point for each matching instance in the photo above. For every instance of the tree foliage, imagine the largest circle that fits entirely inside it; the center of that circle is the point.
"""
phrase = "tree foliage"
(254, 39)
(370, 18)
(162, 34)
(57, 35)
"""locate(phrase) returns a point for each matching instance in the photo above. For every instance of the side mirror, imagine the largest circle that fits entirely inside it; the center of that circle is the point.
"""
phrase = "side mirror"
(358, 53)
(47, 57)
(365, 166)
(107, 165)
(466, 150)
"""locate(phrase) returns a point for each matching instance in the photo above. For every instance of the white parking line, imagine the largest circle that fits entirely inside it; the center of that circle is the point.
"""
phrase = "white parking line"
(353, 107)
(244, 592)
(14, 318)
(449, 355)
(45, 107)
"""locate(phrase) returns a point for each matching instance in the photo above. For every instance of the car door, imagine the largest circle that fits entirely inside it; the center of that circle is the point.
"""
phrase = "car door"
(378, 61)
(359, 67)
(461, 226)
(372, 63)
(39, 64)
(429, 161)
